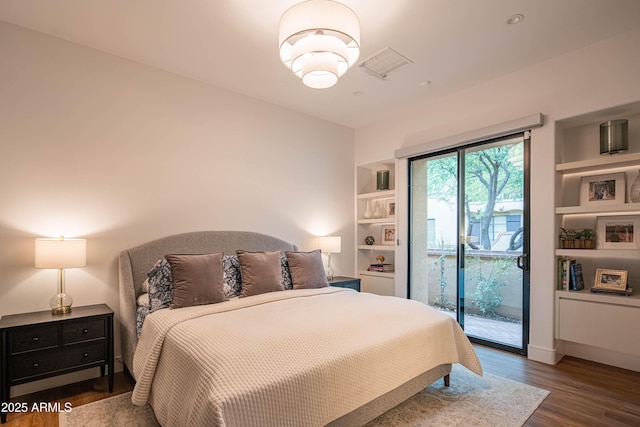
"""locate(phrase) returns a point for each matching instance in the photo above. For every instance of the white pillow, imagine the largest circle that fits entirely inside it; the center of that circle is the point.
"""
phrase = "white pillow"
(143, 300)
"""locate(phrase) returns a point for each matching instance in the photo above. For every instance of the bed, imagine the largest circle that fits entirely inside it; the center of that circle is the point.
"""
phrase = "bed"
(304, 357)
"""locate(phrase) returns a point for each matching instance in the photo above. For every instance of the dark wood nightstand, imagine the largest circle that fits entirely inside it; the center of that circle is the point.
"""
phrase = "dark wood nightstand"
(41, 345)
(346, 282)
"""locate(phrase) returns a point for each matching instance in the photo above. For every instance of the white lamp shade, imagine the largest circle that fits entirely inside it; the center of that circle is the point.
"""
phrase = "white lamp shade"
(330, 244)
(61, 253)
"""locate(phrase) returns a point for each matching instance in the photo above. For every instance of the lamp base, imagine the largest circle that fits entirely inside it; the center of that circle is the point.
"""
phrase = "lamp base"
(61, 310)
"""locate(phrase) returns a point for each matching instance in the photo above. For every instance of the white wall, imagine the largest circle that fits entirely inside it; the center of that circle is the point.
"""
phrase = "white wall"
(119, 153)
(601, 76)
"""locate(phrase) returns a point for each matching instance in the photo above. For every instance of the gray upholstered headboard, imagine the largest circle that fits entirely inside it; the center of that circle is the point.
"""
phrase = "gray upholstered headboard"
(136, 262)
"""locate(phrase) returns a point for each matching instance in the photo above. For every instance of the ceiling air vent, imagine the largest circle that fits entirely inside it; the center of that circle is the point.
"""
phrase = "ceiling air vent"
(384, 62)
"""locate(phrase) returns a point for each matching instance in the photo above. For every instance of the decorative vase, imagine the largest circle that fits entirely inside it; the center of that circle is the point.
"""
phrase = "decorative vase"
(369, 240)
(382, 180)
(378, 213)
(367, 212)
(634, 191)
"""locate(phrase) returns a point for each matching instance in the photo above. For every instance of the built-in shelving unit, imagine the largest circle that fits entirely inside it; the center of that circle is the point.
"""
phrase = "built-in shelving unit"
(585, 320)
(381, 207)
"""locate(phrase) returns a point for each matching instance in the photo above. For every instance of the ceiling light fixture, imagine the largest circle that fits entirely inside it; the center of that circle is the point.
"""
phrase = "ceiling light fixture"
(319, 41)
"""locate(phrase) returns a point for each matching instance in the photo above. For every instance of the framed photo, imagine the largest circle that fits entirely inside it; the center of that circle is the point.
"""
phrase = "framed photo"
(611, 279)
(388, 235)
(391, 208)
(618, 232)
(602, 189)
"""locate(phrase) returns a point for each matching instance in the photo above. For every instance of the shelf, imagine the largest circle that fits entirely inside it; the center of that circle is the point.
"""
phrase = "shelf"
(586, 295)
(376, 273)
(377, 247)
(626, 209)
(388, 220)
(386, 194)
(604, 162)
(595, 253)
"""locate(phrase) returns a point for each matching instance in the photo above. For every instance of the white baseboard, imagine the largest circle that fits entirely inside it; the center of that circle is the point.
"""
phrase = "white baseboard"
(549, 356)
(602, 355)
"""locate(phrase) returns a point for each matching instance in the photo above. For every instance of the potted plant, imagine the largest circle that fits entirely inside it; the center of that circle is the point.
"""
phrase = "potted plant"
(566, 238)
(587, 238)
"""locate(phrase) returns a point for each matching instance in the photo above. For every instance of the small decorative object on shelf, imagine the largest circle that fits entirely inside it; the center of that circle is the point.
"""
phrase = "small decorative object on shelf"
(611, 280)
(614, 136)
(367, 212)
(380, 259)
(618, 232)
(601, 190)
(634, 191)
(381, 268)
(577, 239)
(378, 212)
(369, 240)
(382, 180)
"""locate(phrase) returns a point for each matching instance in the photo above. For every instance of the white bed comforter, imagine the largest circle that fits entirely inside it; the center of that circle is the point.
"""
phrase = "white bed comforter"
(290, 358)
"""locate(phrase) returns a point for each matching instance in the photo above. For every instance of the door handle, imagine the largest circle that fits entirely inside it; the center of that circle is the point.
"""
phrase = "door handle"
(523, 262)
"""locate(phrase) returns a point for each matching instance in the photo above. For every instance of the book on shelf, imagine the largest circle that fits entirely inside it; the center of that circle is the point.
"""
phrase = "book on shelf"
(576, 282)
(625, 292)
(564, 273)
(383, 268)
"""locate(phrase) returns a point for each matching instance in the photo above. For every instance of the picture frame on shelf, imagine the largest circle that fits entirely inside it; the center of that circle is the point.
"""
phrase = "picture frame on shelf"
(391, 208)
(608, 189)
(618, 232)
(615, 280)
(388, 235)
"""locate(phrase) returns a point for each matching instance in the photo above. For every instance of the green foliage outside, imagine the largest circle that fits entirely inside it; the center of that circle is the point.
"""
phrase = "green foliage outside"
(491, 277)
(491, 175)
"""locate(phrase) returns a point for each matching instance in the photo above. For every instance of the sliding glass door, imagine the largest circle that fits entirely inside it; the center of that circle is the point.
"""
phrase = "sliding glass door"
(469, 238)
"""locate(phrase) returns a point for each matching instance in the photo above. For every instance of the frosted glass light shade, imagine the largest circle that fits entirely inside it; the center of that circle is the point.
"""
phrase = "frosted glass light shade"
(319, 40)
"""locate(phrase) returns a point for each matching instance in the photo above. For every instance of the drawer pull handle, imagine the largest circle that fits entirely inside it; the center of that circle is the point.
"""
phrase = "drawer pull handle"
(36, 365)
(85, 331)
(36, 339)
(85, 355)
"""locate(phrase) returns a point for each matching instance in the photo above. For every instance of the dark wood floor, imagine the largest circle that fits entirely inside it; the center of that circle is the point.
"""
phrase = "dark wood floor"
(583, 393)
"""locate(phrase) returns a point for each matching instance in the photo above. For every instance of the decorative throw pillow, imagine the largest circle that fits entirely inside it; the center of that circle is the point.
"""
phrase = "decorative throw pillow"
(197, 279)
(160, 285)
(260, 272)
(286, 274)
(231, 276)
(307, 271)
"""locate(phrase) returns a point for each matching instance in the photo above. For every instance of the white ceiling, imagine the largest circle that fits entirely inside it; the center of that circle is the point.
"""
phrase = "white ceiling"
(234, 43)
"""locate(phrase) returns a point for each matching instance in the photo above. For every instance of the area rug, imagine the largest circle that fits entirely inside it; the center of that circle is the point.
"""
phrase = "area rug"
(470, 400)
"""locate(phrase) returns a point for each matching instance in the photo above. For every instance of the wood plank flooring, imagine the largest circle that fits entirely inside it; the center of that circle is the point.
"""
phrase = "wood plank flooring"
(583, 393)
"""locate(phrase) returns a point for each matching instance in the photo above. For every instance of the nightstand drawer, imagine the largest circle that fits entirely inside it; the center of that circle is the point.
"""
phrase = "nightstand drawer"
(44, 362)
(83, 330)
(33, 338)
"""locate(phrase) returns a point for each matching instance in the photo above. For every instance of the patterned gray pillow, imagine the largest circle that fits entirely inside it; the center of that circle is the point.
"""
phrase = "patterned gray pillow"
(286, 274)
(231, 276)
(160, 285)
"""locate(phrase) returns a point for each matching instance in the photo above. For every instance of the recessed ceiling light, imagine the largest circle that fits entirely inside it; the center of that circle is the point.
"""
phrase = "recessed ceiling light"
(514, 19)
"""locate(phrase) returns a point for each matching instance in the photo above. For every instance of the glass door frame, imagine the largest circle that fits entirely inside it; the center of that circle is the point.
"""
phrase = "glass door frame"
(523, 261)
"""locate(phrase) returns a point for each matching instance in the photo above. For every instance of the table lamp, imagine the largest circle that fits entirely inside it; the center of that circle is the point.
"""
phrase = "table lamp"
(330, 244)
(60, 254)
